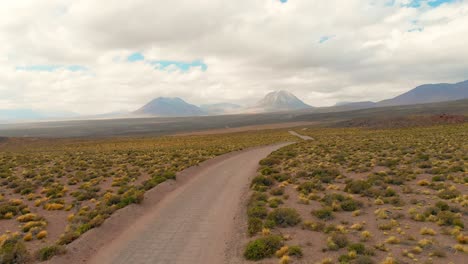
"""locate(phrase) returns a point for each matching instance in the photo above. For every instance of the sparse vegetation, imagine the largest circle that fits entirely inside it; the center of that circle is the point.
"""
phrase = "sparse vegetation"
(373, 196)
(81, 182)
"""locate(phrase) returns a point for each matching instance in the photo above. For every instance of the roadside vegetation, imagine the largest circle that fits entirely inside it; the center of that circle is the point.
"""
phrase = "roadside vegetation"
(53, 191)
(363, 196)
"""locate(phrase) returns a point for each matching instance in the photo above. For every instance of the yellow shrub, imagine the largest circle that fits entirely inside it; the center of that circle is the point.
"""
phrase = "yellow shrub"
(70, 217)
(8, 215)
(389, 260)
(381, 213)
(266, 231)
(27, 218)
(357, 213)
(326, 261)
(357, 226)
(416, 250)
(461, 248)
(378, 201)
(28, 237)
(365, 235)
(392, 240)
(53, 206)
(424, 242)
(284, 260)
(282, 251)
(16, 202)
(423, 183)
(462, 239)
(427, 231)
(42, 234)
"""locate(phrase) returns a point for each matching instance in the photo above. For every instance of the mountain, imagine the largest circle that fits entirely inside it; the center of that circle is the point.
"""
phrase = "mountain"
(220, 108)
(279, 101)
(170, 107)
(430, 93)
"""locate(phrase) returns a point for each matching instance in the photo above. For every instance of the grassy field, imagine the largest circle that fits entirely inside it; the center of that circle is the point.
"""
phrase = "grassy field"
(363, 196)
(53, 191)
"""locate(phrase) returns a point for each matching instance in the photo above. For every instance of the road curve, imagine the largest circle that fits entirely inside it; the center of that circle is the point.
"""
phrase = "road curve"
(300, 136)
(194, 223)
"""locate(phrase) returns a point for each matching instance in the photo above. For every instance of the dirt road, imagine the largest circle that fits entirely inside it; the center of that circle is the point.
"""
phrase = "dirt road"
(193, 223)
(301, 136)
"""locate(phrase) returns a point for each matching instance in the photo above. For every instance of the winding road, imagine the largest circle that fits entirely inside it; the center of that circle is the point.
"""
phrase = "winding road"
(192, 224)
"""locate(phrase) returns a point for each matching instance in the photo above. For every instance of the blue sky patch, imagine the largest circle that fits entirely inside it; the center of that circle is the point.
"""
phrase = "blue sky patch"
(164, 64)
(431, 3)
(137, 56)
(183, 66)
(283, 1)
(325, 39)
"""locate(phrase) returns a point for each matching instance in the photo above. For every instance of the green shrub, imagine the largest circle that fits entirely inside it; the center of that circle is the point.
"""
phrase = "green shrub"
(263, 247)
(324, 213)
(309, 186)
(295, 251)
(13, 251)
(277, 191)
(257, 211)
(255, 225)
(350, 205)
(357, 187)
(284, 217)
(337, 241)
(47, 253)
(262, 181)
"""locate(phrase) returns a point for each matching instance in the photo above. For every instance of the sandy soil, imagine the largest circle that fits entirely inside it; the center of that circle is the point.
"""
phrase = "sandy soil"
(192, 220)
(247, 128)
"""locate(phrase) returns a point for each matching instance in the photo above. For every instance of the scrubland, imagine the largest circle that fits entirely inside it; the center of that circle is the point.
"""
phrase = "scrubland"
(53, 191)
(363, 196)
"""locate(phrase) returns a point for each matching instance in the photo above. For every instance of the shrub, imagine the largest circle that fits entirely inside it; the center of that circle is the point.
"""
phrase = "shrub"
(427, 231)
(295, 251)
(282, 251)
(47, 253)
(262, 181)
(28, 218)
(313, 226)
(309, 186)
(337, 241)
(284, 217)
(255, 225)
(324, 213)
(357, 187)
(277, 191)
(448, 194)
(257, 211)
(42, 234)
(350, 205)
(13, 251)
(358, 247)
(263, 247)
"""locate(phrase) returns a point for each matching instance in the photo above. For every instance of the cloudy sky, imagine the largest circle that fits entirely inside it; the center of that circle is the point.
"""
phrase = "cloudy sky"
(92, 57)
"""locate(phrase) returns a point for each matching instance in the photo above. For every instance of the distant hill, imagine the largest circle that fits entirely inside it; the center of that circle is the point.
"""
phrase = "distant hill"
(169, 107)
(430, 93)
(220, 108)
(279, 101)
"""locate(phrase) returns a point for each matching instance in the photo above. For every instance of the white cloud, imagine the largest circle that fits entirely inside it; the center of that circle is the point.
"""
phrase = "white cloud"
(250, 47)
